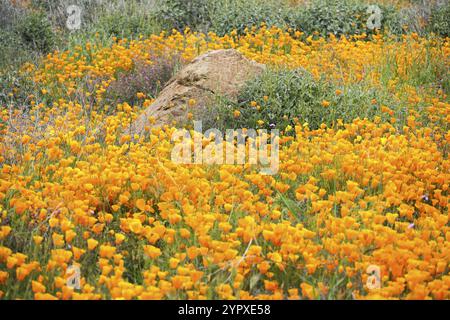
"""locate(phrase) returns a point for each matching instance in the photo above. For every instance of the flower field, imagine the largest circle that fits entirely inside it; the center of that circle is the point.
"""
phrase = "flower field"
(370, 191)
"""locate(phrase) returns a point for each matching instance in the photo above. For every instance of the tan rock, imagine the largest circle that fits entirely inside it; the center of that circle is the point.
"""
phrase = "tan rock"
(221, 72)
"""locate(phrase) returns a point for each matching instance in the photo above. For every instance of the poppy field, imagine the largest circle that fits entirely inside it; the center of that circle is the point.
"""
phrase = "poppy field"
(359, 208)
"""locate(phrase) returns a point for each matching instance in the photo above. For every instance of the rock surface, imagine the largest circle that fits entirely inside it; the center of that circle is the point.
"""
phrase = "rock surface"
(221, 72)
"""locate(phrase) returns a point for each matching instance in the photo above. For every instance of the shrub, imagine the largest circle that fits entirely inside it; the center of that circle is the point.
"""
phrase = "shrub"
(346, 17)
(36, 32)
(276, 98)
(439, 20)
(12, 52)
(15, 51)
(220, 16)
(179, 14)
(241, 14)
(128, 25)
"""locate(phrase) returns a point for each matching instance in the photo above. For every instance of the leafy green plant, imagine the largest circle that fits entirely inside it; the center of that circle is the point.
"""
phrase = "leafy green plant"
(347, 17)
(439, 20)
(241, 14)
(13, 51)
(36, 31)
(128, 25)
(179, 14)
(278, 98)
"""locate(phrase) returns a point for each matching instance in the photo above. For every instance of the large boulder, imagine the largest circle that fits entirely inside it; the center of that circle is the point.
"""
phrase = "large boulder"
(222, 72)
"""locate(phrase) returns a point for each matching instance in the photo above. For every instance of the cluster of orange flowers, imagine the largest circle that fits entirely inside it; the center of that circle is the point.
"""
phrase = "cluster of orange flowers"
(75, 191)
(340, 58)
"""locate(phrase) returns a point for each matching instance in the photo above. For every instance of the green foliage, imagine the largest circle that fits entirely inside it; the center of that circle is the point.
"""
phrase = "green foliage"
(284, 95)
(101, 19)
(16, 87)
(322, 17)
(221, 16)
(179, 14)
(127, 25)
(13, 51)
(440, 20)
(392, 20)
(36, 32)
(241, 14)
(346, 17)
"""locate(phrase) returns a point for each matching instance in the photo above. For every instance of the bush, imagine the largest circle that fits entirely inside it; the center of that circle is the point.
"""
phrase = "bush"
(439, 20)
(128, 25)
(179, 14)
(221, 16)
(241, 14)
(276, 98)
(322, 17)
(346, 17)
(13, 52)
(36, 32)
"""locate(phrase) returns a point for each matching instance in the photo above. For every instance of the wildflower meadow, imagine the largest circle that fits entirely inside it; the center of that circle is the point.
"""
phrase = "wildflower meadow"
(352, 109)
